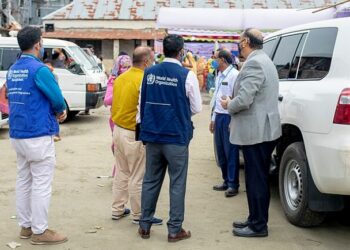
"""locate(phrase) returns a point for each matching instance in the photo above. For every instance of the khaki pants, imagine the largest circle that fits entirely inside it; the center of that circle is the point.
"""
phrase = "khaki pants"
(130, 163)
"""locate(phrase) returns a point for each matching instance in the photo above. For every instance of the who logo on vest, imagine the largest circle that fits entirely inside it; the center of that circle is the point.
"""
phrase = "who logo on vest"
(151, 78)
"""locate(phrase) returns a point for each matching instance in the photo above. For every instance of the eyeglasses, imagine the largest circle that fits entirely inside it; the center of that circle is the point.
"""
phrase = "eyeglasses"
(241, 42)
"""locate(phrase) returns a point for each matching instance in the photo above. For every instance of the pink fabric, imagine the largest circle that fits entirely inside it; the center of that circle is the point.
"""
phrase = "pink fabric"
(111, 124)
(121, 64)
(109, 92)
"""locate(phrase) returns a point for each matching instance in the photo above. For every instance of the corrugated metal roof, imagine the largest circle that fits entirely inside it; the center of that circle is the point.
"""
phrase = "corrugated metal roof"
(148, 9)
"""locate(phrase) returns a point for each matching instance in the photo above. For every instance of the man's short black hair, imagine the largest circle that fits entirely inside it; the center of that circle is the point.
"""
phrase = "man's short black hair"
(172, 45)
(255, 42)
(224, 54)
(28, 37)
(89, 46)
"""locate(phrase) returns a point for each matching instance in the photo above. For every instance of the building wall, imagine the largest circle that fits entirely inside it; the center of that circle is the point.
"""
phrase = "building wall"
(107, 54)
(127, 46)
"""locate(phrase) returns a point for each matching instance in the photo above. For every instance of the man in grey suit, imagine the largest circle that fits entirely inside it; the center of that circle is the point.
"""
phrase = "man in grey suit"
(256, 127)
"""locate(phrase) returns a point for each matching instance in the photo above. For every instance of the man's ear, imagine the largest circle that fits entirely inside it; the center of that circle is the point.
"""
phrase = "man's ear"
(37, 46)
(247, 40)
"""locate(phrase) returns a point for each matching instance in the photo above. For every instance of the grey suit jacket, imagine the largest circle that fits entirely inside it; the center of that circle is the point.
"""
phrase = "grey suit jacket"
(254, 108)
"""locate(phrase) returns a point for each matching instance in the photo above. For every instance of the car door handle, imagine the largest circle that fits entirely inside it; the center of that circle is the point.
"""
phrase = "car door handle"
(280, 98)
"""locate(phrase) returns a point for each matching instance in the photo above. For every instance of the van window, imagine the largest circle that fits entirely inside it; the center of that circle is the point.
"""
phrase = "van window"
(317, 54)
(285, 54)
(82, 58)
(8, 56)
(269, 46)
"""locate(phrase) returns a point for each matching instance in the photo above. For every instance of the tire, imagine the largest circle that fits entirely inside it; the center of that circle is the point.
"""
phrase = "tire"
(293, 187)
(70, 114)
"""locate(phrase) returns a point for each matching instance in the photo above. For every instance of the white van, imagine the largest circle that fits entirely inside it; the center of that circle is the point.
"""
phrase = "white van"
(82, 82)
(313, 155)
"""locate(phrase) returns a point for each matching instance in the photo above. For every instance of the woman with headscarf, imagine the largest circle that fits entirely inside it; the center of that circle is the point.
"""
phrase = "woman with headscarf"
(121, 64)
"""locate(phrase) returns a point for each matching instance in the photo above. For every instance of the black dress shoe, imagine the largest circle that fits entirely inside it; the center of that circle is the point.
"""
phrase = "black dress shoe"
(247, 232)
(230, 192)
(145, 234)
(239, 224)
(182, 235)
(220, 187)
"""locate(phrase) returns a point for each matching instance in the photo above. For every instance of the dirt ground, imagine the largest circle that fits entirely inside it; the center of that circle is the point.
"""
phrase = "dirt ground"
(81, 201)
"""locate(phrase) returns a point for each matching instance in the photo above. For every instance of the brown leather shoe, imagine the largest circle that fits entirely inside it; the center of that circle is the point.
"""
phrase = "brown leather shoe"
(145, 234)
(25, 233)
(182, 235)
(48, 237)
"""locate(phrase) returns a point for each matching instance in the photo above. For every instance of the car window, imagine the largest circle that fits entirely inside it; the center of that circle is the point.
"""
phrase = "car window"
(269, 47)
(317, 54)
(8, 56)
(294, 68)
(285, 54)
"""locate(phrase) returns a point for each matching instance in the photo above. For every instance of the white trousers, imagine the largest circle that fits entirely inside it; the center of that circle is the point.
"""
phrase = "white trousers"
(35, 166)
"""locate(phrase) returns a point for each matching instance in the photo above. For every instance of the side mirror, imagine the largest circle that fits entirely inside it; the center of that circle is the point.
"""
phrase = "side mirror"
(75, 68)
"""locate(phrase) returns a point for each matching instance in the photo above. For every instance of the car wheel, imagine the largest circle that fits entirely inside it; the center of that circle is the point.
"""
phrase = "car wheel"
(293, 186)
(70, 114)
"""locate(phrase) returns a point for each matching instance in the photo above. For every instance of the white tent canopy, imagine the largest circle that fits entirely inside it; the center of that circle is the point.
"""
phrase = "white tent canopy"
(237, 19)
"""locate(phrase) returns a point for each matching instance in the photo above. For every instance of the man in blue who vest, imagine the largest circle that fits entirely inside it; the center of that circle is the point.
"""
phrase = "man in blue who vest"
(36, 104)
(169, 96)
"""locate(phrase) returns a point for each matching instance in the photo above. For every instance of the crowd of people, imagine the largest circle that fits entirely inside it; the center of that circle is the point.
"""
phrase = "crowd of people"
(204, 68)
(151, 110)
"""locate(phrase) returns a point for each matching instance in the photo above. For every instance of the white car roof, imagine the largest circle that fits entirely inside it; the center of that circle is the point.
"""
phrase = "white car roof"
(337, 22)
(8, 41)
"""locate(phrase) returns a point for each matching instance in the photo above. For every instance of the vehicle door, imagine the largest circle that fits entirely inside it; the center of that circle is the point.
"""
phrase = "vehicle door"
(8, 56)
(286, 58)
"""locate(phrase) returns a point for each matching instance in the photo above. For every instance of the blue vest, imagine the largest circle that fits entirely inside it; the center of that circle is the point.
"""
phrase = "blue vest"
(165, 108)
(31, 114)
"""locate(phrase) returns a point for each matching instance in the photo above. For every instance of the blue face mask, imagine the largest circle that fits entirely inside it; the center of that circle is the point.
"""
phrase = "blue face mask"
(215, 64)
(42, 51)
(183, 56)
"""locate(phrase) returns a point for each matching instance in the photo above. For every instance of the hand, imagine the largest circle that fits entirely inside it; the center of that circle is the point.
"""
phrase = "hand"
(225, 101)
(212, 127)
(61, 116)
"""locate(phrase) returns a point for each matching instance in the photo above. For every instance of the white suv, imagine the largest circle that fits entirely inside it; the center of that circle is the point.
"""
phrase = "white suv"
(313, 155)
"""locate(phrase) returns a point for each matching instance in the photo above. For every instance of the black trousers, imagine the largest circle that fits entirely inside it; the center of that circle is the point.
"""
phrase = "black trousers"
(257, 160)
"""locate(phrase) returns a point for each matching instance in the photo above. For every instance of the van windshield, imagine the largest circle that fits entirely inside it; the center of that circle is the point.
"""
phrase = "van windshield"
(82, 58)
